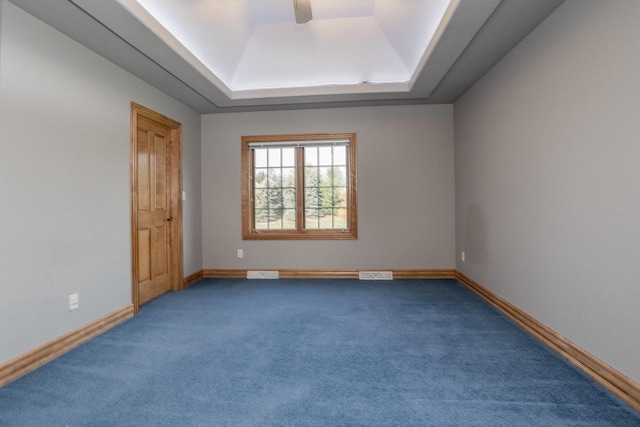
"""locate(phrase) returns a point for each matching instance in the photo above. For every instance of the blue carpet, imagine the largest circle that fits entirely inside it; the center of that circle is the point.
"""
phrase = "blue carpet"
(312, 353)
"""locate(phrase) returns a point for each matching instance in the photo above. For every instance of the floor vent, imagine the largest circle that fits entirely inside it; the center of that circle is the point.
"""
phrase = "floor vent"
(262, 274)
(376, 275)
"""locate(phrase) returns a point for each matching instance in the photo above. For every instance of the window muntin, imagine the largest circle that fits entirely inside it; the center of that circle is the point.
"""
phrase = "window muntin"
(299, 187)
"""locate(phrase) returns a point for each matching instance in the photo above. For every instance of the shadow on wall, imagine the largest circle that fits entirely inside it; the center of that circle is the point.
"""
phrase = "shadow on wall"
(475, 236)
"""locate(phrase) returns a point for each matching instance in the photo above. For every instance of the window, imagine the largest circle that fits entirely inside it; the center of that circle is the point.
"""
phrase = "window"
(299, 186)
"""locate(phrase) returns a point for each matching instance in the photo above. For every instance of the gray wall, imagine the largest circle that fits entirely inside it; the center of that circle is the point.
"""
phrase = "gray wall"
(547, 178)
(405, 189)
(64, 166)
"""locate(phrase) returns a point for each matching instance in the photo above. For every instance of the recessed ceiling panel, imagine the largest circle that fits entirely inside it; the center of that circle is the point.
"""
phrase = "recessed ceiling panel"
(327, 52)
(410, 29)
(214, 31)
(271, 11)
(332, 9)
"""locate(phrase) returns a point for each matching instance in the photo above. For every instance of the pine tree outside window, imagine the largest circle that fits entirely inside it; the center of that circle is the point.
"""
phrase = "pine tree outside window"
(299, 186)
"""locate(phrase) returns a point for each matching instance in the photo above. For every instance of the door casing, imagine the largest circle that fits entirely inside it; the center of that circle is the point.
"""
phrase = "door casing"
(175, 199)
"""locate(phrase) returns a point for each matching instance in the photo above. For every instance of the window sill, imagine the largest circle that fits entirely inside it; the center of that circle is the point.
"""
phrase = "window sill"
(301, 235)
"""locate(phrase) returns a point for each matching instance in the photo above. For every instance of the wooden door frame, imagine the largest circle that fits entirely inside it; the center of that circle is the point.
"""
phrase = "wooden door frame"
(175, 199)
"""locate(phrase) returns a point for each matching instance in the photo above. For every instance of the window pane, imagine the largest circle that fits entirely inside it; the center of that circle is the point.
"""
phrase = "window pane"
(324, 156)
(312, 198)
(311, 177)
(289, 198)
(275, 201)
(260, 157)
(325, 177)
(288, 156)
(275, 177)
(289, 219)
(274, 156)
(311, 219)
(326, 221)
(274, 216)
(310, 156)
(261, 199)
(339, 176)
(340, 156)
(276, 224)
(339, 197)
(288, 177)
(260, 178)
(261, 216)
(326, 196)
(340, 218)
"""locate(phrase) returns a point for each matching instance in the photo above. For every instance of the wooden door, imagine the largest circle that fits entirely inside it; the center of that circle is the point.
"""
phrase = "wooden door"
(156, 205)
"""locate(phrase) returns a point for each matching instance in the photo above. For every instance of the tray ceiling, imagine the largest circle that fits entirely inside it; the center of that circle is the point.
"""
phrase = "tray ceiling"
(243, 55)
(256, 49)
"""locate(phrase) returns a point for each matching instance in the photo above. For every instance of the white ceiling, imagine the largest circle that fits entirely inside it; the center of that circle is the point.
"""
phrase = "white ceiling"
(243, 55)
(257, 50)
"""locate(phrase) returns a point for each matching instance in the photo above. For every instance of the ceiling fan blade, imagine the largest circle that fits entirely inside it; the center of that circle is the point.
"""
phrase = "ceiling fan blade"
(302, 9)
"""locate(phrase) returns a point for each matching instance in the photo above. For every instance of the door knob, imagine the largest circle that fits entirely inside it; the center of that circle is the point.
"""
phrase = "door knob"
(169, 218)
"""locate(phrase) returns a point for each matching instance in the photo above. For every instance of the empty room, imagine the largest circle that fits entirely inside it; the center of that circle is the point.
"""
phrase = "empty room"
(319, 212)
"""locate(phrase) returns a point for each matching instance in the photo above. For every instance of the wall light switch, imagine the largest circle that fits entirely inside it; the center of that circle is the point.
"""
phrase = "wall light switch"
(184, 196)
(462, 256)
(240, 253)
(73, 302)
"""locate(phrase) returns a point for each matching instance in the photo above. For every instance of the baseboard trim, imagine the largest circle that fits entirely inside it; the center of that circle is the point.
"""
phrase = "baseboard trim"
(217, 273)
(213, 273)
(424, 274)
(613, 380)
(192, 278)
(27, 362)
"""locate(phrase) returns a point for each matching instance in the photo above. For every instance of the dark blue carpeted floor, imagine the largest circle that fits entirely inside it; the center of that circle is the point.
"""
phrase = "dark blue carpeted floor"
(312, 352)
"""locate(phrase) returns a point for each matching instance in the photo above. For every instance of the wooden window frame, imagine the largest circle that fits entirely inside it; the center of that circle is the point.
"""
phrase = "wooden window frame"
(249, 231)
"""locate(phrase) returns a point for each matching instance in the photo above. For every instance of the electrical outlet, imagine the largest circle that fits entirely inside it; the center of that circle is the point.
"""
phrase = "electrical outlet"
(240, 253)
(73, 302)
(462, 256)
